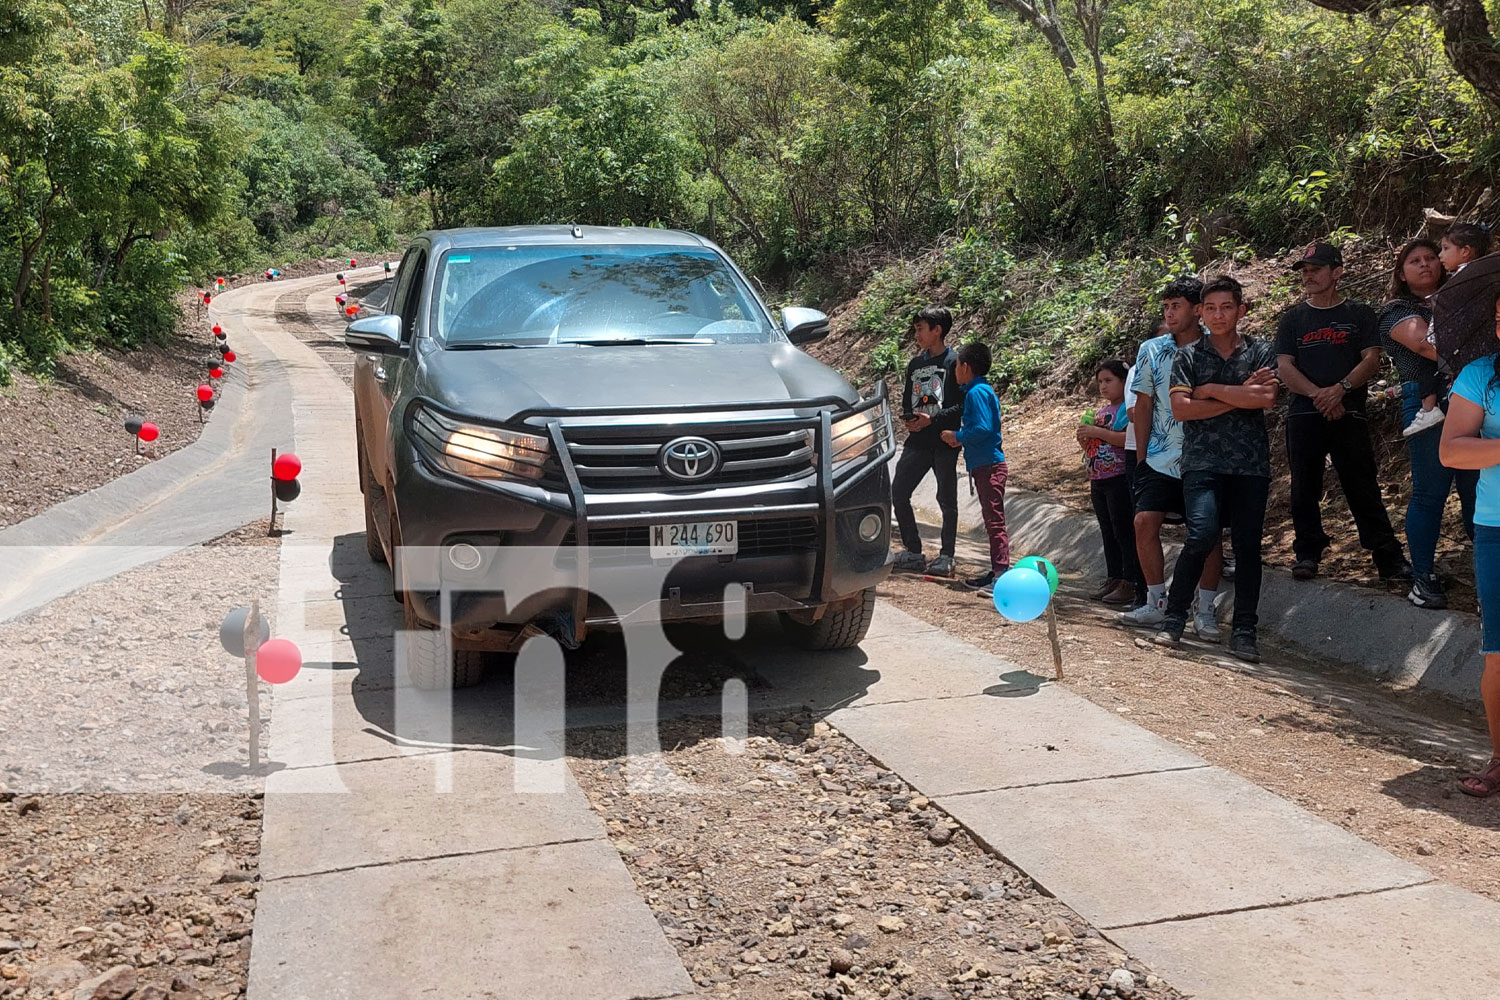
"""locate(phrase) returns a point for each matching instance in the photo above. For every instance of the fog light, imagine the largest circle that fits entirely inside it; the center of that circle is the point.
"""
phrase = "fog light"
(869, 527)
(464, 557)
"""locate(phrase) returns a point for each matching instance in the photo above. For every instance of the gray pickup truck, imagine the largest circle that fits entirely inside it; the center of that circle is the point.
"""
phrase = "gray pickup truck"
(618, 405)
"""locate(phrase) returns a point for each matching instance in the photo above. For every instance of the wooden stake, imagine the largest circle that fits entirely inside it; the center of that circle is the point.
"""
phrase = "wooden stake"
(252, 683)
(1052, 634)
(271, 530)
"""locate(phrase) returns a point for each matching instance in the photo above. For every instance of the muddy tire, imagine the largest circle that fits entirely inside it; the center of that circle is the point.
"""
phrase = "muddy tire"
(836, 629)
(428, 664)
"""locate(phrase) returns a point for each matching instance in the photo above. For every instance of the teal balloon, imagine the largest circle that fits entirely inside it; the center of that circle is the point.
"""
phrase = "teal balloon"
(1043, 567)
(1022, 594)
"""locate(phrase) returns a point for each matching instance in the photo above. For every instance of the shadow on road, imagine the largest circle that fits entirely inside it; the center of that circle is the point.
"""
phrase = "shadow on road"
(1017, 684)
(765, 675)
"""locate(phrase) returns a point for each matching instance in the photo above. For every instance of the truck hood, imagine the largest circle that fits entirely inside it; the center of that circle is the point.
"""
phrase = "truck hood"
(496, 385)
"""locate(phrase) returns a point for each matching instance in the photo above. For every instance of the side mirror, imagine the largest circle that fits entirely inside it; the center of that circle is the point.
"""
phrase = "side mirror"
(376, 334)
(803, 326)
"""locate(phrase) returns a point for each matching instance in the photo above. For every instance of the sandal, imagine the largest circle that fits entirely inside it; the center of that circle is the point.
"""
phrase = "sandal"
(1484, 783)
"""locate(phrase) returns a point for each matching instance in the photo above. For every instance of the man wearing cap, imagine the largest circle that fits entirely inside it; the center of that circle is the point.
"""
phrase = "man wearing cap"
(1328, 350)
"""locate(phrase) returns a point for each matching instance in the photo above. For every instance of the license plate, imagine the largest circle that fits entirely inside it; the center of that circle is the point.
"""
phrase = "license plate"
(697, 538)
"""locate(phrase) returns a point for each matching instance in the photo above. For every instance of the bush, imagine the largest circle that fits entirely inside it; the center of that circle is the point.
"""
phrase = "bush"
(890, 302)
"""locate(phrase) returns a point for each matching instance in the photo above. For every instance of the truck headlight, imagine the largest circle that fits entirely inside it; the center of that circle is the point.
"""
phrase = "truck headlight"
(480, 452)
(860, 434)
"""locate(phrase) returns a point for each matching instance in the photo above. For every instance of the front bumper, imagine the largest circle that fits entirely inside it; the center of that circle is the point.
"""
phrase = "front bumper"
(545, 552)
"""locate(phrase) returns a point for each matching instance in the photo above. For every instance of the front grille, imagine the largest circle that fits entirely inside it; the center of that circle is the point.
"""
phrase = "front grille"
(611, 461)
(768, 537)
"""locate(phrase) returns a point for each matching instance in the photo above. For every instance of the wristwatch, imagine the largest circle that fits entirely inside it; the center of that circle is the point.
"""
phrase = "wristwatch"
(1348, 386)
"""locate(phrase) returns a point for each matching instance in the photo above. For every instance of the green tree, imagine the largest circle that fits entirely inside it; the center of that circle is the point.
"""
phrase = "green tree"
(609, 154)
(766, 110)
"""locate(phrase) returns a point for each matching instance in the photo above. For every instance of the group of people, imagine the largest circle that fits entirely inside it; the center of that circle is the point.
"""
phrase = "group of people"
(1182, 438)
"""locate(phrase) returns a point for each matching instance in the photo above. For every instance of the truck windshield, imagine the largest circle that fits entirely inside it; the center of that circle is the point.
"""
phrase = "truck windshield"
(546, 295)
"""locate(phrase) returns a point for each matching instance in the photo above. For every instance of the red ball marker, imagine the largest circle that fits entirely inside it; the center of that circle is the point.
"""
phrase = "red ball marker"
(228, 357)
(216, 373)
(218, 329)
(286, 467)
(278, 661)
(149, 432)
(205, 392)
(350, 310)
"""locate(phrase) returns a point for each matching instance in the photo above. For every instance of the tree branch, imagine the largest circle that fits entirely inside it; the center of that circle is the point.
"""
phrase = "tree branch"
(1467, 37)
(1044, 19)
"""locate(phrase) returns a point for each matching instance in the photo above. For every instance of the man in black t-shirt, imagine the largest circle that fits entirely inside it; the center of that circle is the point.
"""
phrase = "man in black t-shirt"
(1222, 387)
(931, 402)
(1328, 350)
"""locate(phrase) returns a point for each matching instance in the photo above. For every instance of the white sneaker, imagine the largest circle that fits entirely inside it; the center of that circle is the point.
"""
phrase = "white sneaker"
(1148, 615)
(1207, 627)
(1425, 420)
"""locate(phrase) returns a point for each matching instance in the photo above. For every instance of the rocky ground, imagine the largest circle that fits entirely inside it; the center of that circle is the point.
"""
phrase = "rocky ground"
(807, 870)
(64, 436)
(108, 896)
(123, 687)
(1379, 762)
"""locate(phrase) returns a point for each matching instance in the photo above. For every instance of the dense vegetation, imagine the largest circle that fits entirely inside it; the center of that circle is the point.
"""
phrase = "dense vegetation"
(1102, 146)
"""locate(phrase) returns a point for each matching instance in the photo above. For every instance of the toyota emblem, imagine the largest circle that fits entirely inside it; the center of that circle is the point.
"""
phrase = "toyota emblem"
(689, 459)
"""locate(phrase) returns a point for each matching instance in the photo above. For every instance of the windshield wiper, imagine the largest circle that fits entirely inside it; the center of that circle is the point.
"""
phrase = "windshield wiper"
(634, 341)
(485, 345)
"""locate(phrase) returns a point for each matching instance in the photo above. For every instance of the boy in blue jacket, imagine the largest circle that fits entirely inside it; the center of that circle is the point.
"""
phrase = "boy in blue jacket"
(979, 434)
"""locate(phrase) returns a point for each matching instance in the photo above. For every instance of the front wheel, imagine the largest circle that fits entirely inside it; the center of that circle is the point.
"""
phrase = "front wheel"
(373, 495)
(428, 664)
(837, 629)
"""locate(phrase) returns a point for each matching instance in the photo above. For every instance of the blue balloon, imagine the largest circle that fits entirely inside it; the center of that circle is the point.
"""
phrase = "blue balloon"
(1022, 594)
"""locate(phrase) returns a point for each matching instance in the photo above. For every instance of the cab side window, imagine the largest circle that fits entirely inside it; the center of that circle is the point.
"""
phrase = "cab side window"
(406, 299)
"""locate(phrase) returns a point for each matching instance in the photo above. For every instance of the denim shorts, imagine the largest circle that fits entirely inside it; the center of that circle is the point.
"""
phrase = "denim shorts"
(1487, 582)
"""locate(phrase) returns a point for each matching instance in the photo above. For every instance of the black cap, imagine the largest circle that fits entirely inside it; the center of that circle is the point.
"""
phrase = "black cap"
(1325, 254)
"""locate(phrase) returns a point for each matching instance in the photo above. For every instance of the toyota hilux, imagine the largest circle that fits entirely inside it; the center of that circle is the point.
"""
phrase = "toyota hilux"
(619, 405)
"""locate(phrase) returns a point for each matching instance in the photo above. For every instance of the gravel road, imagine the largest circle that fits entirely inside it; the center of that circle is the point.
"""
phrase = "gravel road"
(810, 871)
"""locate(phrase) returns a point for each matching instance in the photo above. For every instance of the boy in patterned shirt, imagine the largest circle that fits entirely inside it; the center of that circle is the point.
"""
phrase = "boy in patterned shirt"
(1221, 388)
(1157, 486)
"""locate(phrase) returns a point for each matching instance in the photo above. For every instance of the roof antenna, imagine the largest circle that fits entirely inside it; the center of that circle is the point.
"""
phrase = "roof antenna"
(578, 232)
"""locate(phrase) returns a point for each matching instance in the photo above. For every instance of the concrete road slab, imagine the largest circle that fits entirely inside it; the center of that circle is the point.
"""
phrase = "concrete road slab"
(329, 572)
(337, 665)
(1412, 943)
(355, 617)
(411, 808)
(958, 745)
(891, 668)
(1175, 844)
(367, 724)
(890, 620)
(550, 922)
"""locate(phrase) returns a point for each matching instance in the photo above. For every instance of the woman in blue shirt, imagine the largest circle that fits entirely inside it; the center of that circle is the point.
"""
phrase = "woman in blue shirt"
(1471, 440)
